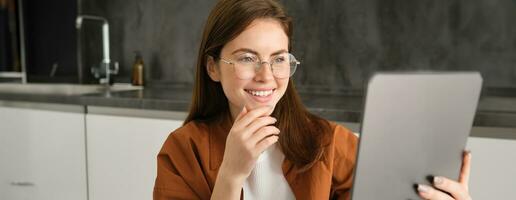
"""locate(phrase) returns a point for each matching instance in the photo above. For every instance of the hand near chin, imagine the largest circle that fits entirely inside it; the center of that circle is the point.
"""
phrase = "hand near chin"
(253, 131)
(249, 107)
(447, 189)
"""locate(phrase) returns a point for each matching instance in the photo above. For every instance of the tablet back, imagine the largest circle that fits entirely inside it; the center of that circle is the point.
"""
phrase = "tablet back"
(414, 125)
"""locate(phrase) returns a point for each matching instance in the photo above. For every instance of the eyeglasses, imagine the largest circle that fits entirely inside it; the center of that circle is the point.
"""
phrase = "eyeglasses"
(246, 65)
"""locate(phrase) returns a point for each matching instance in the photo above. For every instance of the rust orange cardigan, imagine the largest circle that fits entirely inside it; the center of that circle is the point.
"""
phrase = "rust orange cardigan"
(190, 158)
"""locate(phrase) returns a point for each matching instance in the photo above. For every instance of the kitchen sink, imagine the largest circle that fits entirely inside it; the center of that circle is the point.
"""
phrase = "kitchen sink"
(62, 89)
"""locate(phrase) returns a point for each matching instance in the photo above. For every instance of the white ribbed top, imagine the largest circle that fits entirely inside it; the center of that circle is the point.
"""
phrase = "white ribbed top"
(267, 181)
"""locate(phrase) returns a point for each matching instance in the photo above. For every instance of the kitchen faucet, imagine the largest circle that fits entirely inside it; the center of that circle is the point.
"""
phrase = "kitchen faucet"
(105, 66)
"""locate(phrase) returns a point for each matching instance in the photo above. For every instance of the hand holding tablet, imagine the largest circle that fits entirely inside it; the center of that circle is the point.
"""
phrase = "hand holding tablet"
(416, 126)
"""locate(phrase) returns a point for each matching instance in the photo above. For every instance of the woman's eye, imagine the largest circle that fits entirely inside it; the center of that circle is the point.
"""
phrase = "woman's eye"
(247, 59)
(279, 59)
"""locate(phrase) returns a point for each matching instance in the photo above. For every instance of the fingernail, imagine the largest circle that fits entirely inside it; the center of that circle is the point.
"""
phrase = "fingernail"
(438, 180)
(468, 153)
(423, 188)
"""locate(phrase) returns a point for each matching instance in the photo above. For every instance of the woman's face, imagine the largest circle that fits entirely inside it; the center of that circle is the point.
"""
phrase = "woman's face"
(263, 39)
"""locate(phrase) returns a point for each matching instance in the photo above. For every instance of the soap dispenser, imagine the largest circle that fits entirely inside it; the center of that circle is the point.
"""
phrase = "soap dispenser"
(137, 75)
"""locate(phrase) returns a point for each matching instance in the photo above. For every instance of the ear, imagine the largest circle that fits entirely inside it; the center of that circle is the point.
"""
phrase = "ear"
(211, 68)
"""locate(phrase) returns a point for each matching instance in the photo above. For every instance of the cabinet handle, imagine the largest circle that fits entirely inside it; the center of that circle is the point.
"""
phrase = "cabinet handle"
(22, 183)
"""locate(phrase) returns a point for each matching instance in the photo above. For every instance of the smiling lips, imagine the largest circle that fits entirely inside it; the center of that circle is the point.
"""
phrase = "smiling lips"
(261, 95)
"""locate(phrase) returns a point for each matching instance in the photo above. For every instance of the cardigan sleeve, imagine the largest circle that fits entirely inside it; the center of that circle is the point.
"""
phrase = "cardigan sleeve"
(345, 148)
(179, 174)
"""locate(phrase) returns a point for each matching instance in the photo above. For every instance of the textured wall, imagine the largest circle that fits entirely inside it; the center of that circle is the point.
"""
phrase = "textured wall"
(340, 43)
(167, 33)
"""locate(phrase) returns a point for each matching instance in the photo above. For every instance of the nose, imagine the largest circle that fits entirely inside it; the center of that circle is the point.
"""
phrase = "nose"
(264, 72)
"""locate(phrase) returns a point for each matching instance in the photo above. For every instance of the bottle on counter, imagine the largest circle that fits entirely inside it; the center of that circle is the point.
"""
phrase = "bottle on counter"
(137, 75)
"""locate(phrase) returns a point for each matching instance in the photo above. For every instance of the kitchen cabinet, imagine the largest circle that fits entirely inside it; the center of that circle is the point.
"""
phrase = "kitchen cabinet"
(493, 168)
(122, 154)
(54, 152)
(42, 147)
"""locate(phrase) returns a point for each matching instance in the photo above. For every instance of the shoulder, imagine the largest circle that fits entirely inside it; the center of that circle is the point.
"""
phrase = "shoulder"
(344, 142)
(190, 129)
(184, 136)
(183, 155)
(343, 135)
(342, 155)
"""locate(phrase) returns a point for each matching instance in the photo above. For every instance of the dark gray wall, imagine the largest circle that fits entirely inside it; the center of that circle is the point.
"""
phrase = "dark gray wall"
(340, 43)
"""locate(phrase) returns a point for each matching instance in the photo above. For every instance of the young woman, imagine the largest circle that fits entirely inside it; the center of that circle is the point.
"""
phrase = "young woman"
(247, 129)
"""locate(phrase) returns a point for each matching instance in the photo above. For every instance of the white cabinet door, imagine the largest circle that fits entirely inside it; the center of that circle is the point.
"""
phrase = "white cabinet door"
(493, 168)
(42, 155)
(122, 155)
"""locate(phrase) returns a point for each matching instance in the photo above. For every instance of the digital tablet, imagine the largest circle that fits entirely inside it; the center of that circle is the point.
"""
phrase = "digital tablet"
(415, 125)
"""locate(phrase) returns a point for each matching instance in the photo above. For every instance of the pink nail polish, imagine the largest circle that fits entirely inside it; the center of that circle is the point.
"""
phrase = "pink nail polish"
(423, 188)
(438, 180)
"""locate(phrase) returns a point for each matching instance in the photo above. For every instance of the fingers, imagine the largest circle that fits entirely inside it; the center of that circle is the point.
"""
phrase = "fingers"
(251, 115)
(266, 143)
(242, 113)
(259, 123)
(465, 170)
(446, 187)
(263, 133)
(254, 128)
(455, 189)
(427, 192)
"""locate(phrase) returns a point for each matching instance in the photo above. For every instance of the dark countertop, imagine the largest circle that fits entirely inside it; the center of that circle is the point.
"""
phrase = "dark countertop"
(494, 110)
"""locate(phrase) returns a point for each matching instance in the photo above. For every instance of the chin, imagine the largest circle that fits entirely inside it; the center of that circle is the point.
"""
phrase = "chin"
(254, 105)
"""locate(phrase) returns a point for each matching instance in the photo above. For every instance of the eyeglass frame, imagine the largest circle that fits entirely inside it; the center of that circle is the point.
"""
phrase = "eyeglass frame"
(259, 64)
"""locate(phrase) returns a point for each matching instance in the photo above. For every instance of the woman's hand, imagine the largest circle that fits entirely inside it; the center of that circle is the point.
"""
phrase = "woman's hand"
(456, 190)
(251, 134)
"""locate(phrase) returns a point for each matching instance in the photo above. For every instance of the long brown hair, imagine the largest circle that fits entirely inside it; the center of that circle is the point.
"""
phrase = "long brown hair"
(303, 135)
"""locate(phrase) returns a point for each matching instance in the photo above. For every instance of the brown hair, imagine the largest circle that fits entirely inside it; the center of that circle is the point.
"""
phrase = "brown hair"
(303, 135)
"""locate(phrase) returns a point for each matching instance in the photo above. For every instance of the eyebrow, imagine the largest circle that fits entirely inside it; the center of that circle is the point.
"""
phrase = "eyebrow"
(256, 53)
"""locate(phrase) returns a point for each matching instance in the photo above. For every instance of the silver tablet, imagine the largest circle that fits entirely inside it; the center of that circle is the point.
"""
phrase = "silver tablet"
(415, 125)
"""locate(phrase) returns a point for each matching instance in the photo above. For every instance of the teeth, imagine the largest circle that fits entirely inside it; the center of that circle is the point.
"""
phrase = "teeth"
(262, 93)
